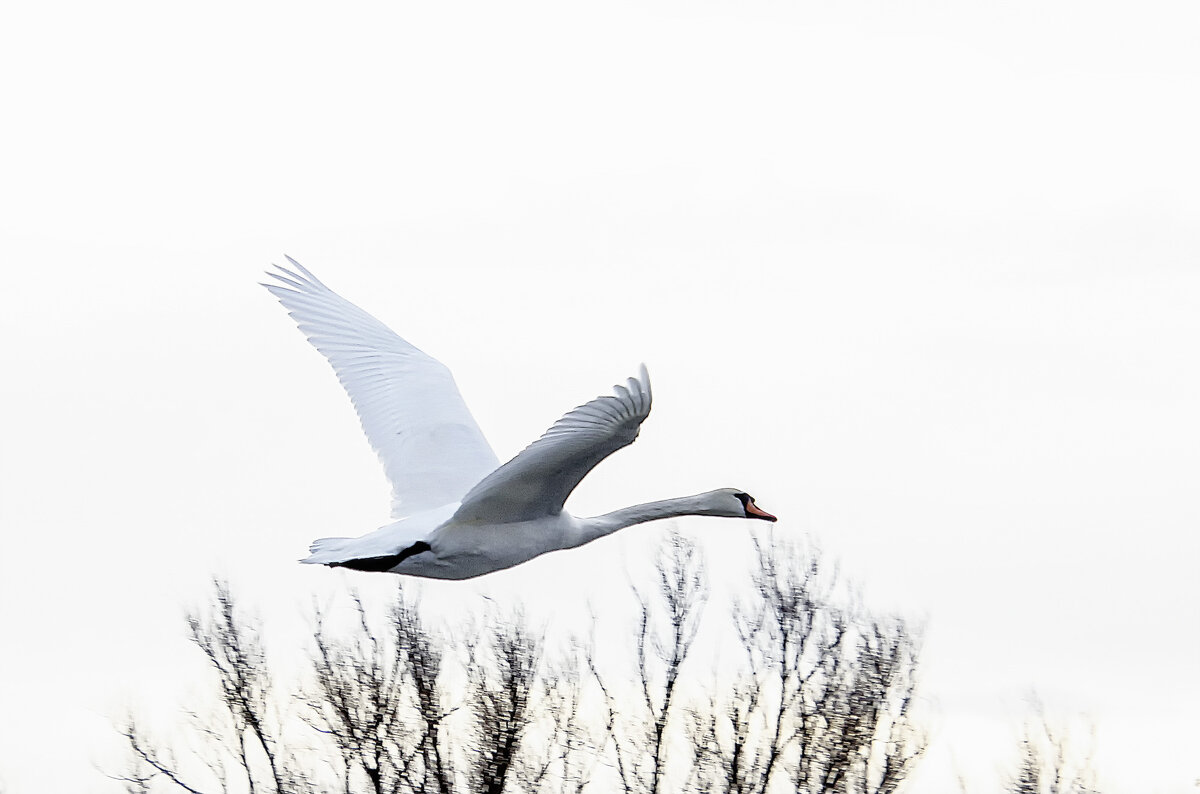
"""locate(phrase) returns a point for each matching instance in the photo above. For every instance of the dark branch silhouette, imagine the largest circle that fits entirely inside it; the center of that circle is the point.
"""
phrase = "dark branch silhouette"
(808, 693)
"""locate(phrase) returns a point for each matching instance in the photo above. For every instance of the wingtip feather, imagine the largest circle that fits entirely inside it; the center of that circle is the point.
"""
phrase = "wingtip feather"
(643, 386)
(307, 273)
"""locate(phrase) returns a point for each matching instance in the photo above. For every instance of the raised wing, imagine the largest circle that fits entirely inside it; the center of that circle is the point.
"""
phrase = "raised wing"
(537, 481)
(409, 406)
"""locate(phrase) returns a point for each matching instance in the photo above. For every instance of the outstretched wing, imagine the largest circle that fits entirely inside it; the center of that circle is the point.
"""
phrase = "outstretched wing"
(409, 406)
(537, 481)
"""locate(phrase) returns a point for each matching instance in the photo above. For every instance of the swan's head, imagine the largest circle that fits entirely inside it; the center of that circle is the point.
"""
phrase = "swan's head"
(739, 504)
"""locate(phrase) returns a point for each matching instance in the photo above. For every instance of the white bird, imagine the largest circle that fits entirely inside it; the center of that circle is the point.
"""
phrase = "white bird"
(459, 514)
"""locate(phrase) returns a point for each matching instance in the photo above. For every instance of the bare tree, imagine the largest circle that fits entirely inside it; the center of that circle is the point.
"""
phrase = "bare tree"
(668, 621)
(816, 699)
(234, 647)
(1051, 760)
(377, 694)
(244, 728)
(148, 763)
(822, 700)
(425, 657)
(362, 697)
(505, 689)
(582, 745)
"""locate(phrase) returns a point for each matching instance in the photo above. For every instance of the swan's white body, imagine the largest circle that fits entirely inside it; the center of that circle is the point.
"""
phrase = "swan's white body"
(459, 513)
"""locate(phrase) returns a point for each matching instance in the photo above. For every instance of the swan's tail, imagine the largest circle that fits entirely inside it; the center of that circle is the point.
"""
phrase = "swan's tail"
(326, 550)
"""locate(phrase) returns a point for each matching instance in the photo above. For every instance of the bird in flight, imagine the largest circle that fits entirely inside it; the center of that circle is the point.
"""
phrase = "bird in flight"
(457, 512)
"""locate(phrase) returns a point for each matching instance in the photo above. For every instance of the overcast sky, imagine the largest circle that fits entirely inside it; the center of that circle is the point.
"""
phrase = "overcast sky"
(924, 279)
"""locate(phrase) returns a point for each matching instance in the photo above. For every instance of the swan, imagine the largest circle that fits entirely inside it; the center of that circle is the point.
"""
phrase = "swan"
(458, 513)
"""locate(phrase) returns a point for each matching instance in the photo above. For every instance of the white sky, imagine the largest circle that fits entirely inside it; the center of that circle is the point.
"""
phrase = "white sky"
(924, 279)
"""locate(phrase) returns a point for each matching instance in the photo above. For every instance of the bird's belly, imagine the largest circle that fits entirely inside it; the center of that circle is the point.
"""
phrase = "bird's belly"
(468, 551)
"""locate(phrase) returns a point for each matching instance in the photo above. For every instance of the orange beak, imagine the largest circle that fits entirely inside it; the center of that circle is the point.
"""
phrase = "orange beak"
(754, 511)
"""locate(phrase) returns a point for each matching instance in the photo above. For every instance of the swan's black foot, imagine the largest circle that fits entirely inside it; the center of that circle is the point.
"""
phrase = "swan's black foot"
(383, 563)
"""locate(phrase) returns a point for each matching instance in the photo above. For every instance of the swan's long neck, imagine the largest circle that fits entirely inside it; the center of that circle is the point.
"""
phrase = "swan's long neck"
(599, 526)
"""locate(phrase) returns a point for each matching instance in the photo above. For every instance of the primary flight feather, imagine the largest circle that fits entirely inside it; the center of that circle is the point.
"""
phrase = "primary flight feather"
(459, 513)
